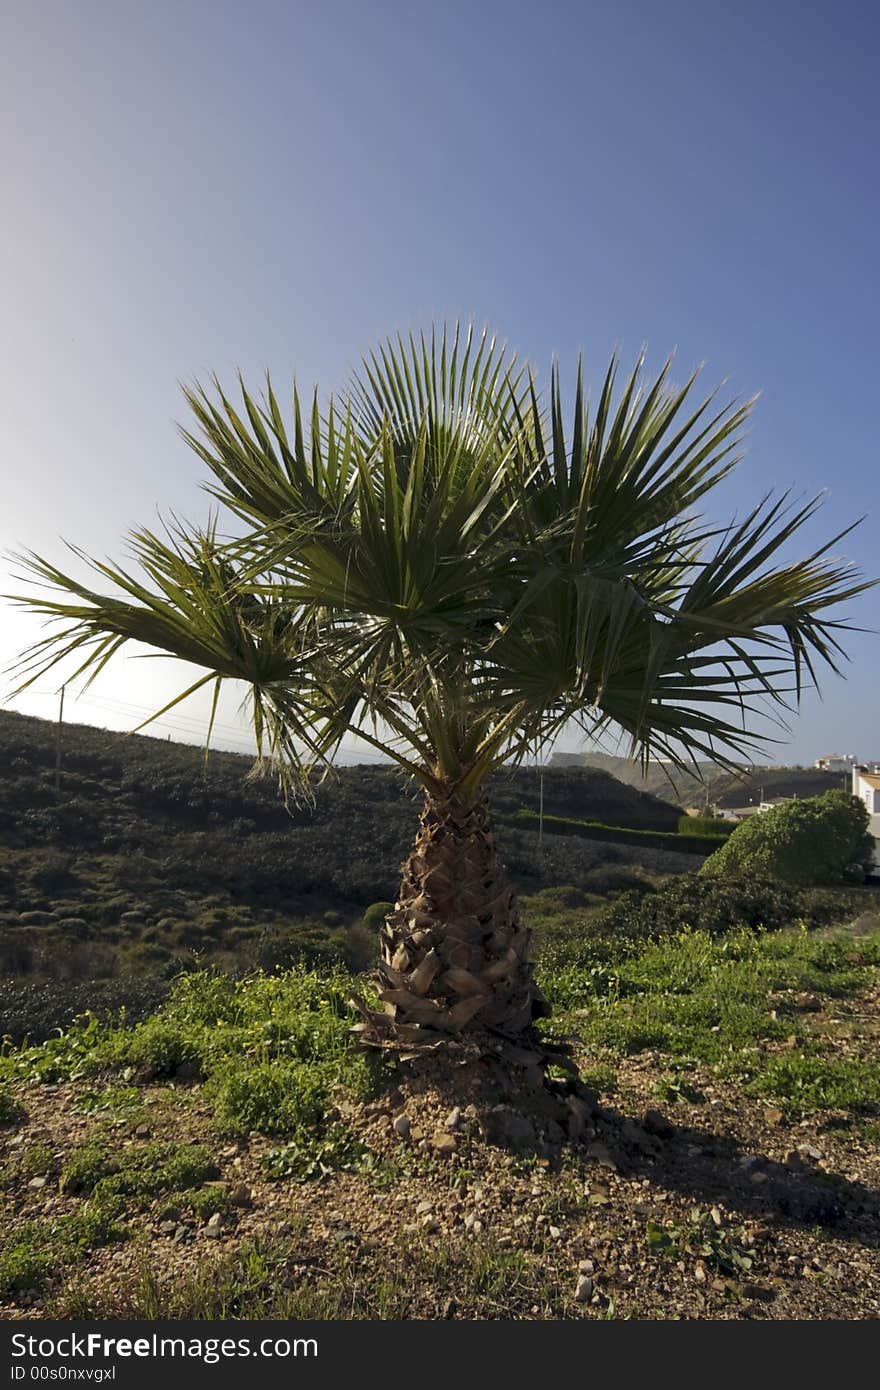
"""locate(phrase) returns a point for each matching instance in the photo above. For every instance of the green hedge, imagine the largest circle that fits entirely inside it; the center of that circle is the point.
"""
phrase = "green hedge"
(619, 834)
(705, 825)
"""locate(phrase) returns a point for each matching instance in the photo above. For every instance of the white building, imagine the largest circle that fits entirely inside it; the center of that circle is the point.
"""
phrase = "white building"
(866, 786)
(836, 762)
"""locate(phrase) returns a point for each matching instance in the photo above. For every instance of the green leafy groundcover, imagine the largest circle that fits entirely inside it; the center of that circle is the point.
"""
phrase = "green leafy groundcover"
(270, 1047)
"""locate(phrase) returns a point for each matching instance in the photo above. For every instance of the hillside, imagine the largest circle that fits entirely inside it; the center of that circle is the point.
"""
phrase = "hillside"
(221, 1151)
(713, 784)
(149, 856)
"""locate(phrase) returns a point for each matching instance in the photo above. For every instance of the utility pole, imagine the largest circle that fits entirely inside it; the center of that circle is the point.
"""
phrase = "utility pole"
(541, 808)
(58, 744)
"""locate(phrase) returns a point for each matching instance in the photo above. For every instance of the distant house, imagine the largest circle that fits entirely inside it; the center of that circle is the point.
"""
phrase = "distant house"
(866, 786)
(836, 762)
(754, 809)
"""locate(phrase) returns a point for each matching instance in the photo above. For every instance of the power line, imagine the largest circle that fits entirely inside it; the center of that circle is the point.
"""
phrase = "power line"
(196, 726)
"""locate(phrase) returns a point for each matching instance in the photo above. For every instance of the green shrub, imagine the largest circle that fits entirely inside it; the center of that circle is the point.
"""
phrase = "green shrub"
(277, 1097)
(717, 905)
(822, 839)
(705, 825)
(157, 1046)
(376, 913)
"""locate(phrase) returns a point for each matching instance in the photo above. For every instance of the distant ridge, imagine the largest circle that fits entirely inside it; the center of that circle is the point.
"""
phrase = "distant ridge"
(711, 784)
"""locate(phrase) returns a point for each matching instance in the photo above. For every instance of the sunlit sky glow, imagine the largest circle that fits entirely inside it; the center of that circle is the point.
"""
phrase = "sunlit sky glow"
(194, 187)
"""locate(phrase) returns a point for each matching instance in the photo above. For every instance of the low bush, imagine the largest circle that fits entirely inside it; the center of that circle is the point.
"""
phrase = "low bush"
(820, 840)
(718, 905)
(376, 913)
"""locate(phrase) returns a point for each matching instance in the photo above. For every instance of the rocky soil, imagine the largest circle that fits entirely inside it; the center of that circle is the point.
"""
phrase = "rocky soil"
(491, 1196)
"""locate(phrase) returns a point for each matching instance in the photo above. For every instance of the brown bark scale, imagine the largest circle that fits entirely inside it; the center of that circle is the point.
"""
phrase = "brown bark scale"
(453, 951)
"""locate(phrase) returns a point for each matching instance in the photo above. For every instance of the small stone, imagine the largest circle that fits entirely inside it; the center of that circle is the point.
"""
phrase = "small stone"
(700, 1274)
(599, 1152)
(584, 1289)
(403, 1126)
(578, 1118)
(168, 1227)
(453, 1119)
(142, 1132)
(634, 1134)
(37, 1183)
(810, 1151)
(715, 1214)
(506, 1127)
(424, 1208)
(554, 1232)
(181, 1233)
(656, 1123)
(444, 1144)
(773, 1116)
(215, 1221)
(586, 1267)
(210, 1232)
(240, 1195)
(764, 1295)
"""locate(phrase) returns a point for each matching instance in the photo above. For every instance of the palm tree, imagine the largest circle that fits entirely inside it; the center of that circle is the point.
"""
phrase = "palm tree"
(436, 566)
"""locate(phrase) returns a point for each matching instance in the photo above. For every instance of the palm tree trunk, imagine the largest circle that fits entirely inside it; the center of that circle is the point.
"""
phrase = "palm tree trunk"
(453, 952)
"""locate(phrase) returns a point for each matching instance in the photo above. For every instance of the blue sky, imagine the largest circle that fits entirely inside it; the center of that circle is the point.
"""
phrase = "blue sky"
(196, 187)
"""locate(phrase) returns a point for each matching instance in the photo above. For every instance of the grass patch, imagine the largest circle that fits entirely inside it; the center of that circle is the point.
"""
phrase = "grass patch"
(259, 1280)
(140, 1171)
(808, 1084)
(674, 1088)
(271, 1048)
(41, 1248)
(11, 1113)
(722, 1001)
